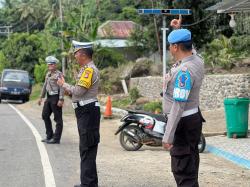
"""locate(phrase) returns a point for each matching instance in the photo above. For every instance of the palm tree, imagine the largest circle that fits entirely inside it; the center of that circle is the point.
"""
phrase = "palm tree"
(30, 13)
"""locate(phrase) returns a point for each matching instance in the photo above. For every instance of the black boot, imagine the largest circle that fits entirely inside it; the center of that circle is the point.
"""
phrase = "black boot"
(53, 141)
(46, 140)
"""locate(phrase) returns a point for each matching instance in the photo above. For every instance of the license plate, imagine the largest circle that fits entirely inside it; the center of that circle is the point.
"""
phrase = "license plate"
(15, 93)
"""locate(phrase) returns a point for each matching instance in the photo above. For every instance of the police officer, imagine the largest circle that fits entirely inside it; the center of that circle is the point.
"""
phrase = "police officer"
(53, 103)
(184, 124)
(87, 111)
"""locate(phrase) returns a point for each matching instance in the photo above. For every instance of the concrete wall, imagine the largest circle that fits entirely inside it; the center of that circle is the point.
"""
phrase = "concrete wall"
(214, 89)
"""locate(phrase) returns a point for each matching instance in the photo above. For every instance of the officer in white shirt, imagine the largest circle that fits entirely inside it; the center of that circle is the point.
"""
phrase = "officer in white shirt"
(87, 111)
(53, 103)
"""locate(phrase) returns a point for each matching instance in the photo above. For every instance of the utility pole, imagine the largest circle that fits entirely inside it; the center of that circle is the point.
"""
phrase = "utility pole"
(164, 12)
(62, 45)
(164, 56)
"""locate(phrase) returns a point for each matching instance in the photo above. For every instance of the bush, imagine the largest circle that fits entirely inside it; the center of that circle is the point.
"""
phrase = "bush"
(24, 50)
(153, 106)
(110, 81)
(106, 57)
(141, 68)
(3, 62)
(40, 72)
(121, 103)
(224, 51)
(134, 94)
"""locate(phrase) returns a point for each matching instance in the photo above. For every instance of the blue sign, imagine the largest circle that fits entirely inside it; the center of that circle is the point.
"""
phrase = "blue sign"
(166, 11)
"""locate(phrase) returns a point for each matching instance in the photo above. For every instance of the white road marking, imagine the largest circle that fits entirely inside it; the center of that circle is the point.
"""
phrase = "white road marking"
(47, 169)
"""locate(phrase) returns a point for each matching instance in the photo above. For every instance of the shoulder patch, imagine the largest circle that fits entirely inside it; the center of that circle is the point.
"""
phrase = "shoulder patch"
(182, 85)
(86, 78)
(184, 69)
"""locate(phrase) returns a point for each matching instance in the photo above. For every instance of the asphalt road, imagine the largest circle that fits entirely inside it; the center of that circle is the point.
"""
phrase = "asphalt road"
(19, 155)
(26, 162)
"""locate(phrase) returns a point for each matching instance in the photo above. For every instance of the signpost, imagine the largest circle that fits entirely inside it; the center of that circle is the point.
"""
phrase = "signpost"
(164, 12)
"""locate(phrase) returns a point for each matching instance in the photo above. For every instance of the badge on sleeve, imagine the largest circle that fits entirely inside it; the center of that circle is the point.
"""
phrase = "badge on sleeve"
(182, 85)
(86, 78)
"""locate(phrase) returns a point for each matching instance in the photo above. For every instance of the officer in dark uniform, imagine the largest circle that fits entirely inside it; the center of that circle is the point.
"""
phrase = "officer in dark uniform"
(53, 103)
(184, 124)
(87, 111)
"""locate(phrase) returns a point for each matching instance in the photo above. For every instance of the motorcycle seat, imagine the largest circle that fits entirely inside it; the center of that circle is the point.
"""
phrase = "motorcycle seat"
(159, 117)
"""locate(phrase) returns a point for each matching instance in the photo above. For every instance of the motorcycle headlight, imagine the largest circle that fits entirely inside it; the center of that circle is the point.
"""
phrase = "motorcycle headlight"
(3, 88)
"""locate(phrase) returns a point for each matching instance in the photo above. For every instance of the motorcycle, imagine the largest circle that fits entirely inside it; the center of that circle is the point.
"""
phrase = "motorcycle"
(143, 128)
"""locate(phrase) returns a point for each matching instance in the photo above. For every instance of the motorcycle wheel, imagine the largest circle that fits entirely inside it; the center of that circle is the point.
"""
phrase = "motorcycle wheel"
(127, 142)
(202, 143)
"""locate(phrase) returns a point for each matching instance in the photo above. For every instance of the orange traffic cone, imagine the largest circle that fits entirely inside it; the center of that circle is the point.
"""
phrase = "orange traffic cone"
(108, 110)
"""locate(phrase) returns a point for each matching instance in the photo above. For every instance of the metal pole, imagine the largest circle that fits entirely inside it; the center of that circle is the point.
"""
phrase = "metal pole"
(164, 43)
(62, 45)
(8, 30)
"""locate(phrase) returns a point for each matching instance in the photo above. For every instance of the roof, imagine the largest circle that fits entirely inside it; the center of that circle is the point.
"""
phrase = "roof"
(229, 6)
(113, 43)
(116, 29)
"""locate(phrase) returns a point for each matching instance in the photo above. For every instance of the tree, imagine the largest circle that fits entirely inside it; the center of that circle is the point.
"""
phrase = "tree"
(24, 51)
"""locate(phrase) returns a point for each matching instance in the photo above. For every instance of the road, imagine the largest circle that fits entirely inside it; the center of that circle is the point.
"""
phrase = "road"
(22, 161)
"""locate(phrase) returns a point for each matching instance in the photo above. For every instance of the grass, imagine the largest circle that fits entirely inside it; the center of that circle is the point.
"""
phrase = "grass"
(121, 103)
(36, 91)
(153, 107)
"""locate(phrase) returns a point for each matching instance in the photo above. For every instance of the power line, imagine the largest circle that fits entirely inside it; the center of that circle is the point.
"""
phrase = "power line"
(197, 22)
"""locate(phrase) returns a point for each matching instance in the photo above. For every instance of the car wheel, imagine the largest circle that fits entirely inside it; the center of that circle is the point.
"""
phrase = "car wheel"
(23, 99)
(27, 98)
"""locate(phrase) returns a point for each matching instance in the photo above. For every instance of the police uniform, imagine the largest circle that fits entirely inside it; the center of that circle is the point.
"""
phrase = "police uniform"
(87, 111)
(184, 124)
(53, 93)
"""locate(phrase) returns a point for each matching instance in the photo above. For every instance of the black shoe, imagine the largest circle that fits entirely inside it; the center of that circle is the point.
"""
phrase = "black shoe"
(53, 141)
(46, 140)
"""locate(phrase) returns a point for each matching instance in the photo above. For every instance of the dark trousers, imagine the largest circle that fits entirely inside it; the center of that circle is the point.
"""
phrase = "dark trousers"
(50, 106)
(184, 153)
(88, 122)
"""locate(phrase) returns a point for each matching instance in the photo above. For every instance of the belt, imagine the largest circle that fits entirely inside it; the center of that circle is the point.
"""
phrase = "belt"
(82, 103)
(189, 112)
(52, 92)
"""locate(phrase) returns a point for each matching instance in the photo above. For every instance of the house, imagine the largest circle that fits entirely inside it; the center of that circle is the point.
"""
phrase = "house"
(238, 11)
(230, 6)
(116, 29)
(115, 34)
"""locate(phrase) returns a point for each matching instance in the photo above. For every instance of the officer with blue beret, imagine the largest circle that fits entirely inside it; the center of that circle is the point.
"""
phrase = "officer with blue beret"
(183, 129)
(179, 36)
(53, 103)
(87, 110)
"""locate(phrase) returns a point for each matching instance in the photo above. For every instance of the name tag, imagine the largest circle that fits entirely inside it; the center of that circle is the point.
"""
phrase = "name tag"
(181, 94)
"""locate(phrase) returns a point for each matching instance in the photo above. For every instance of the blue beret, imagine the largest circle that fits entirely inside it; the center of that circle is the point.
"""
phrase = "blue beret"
(81, 45)
(51, 60)
(179, 36)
